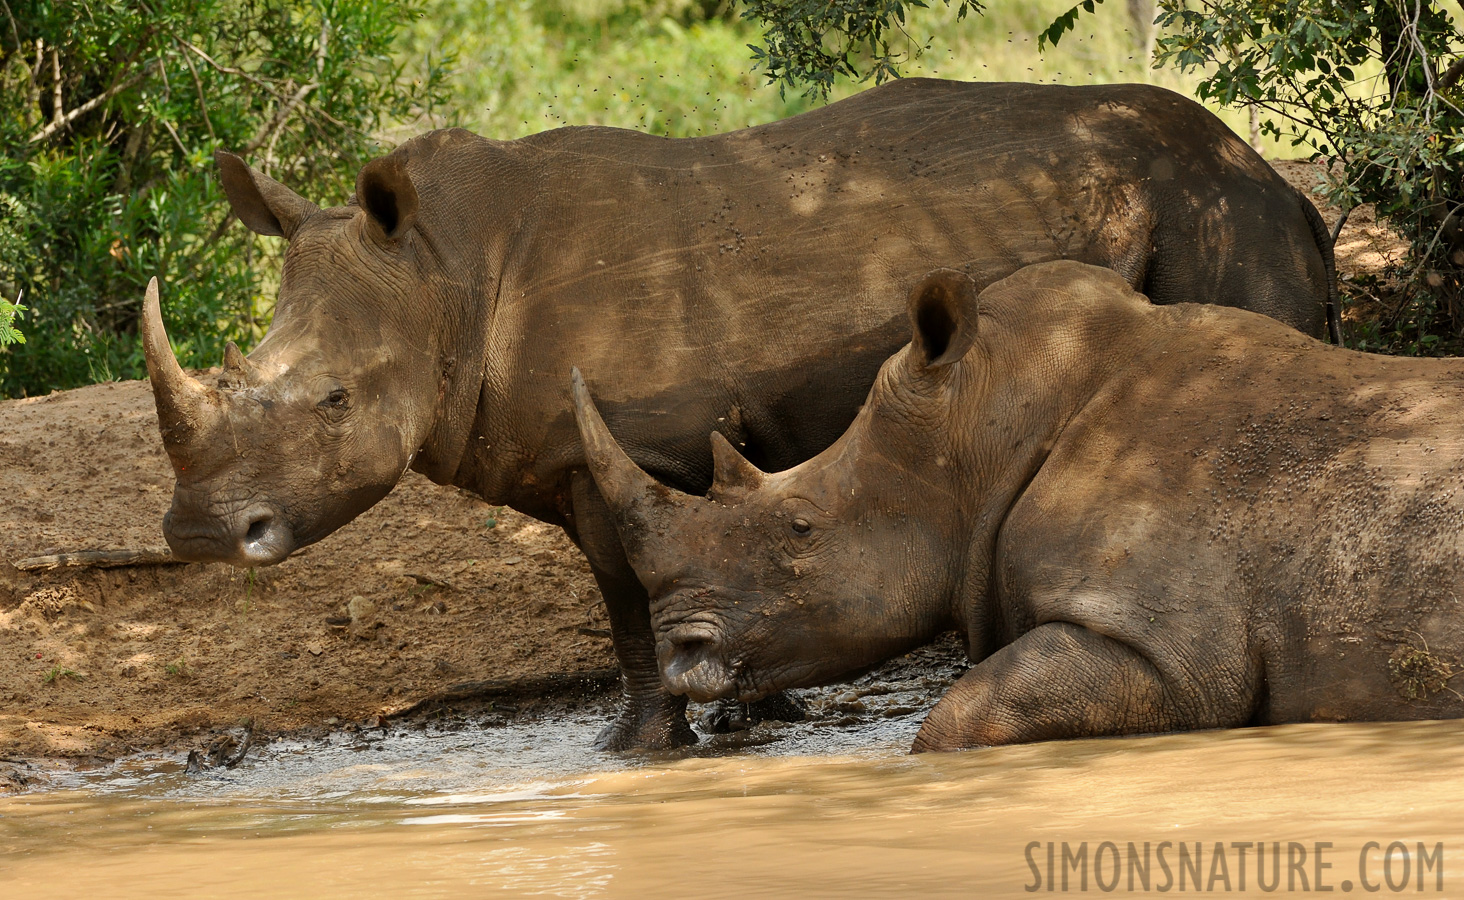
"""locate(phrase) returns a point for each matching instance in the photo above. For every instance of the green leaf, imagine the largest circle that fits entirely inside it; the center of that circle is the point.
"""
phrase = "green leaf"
(1052, 34)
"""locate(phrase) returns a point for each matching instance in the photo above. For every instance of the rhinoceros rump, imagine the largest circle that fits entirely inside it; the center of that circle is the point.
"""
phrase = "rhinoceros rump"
(1142, 519)
(746, 281)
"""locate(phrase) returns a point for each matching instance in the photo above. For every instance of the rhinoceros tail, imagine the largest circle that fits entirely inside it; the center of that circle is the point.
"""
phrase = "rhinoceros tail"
(1329, 261)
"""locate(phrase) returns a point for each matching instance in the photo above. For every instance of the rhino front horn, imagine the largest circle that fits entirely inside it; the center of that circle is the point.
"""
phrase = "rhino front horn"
(183, 404)
(622, 483)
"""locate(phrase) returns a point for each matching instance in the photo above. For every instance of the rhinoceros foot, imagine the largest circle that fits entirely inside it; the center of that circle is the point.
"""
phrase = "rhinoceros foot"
(727, 716)
(648, 723)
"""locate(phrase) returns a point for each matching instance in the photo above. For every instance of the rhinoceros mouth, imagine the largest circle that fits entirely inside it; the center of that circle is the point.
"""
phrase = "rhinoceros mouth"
(693, 663)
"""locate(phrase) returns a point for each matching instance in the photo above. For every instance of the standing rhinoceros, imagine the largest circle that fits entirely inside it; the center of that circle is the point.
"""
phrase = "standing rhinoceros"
(742, 281)
(1142, 519)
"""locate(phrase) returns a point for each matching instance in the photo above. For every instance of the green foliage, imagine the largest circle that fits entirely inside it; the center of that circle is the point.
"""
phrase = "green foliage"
(1064, 23)
(109, 117)
(9, 312)
(667, 67)
(869, 40)
(680, 69)
(1003, 43)
(1372, 87)
(1411, 324)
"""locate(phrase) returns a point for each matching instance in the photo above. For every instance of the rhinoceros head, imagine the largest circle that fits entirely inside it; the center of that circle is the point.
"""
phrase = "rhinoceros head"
(323, 417)
(804, 576)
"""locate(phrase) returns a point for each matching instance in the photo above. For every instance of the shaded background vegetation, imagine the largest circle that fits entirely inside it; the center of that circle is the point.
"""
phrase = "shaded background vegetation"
(110, 114)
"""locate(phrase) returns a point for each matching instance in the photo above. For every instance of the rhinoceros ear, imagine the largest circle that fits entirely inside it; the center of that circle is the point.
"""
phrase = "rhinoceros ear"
(264, 205)
(943, 309)
(385, 191)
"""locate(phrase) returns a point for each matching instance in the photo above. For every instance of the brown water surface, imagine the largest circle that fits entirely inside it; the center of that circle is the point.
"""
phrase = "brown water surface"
(520, 810)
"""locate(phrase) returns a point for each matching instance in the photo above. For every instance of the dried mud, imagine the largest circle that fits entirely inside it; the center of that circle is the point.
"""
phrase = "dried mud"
(100, 662)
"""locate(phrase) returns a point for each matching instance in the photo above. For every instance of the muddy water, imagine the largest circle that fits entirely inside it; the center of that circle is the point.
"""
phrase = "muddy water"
(832, 807)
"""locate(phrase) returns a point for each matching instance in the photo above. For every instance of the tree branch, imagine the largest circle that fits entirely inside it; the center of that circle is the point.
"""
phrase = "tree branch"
(268, 130)
(56, 108)
(229, 70)
(34, 96)
(202, 99)
(14, 31)
(286, 107)
(62, 121)
(174, 134)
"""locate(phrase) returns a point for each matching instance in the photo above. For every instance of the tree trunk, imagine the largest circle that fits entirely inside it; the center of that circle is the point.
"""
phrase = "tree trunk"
(1141, 16)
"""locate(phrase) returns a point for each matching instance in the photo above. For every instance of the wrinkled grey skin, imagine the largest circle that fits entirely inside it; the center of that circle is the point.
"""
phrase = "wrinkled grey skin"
(746, 281)
(1142, 519)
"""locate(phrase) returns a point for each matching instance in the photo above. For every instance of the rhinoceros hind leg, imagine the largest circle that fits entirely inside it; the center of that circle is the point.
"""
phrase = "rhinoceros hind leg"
(1058, 681)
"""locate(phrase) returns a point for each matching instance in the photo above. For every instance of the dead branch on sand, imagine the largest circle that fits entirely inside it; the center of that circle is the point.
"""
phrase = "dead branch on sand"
(98, 559)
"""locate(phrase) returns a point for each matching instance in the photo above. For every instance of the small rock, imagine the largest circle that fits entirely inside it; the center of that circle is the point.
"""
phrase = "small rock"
(512, 560)
(361, 610)
(314, 648)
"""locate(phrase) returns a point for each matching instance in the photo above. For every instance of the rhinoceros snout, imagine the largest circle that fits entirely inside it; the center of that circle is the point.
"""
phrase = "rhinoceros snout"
(692, 662)
(254, 536)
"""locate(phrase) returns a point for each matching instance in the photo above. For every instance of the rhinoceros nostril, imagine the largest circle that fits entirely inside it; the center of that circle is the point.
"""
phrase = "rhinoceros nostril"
(266, 540)
(258, 528)
(686, 654)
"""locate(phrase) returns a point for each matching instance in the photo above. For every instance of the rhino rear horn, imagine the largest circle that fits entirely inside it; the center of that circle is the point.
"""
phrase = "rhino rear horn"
(237, 368)
(264, 205)
(184, 405)
(731, 472)
(943, 315)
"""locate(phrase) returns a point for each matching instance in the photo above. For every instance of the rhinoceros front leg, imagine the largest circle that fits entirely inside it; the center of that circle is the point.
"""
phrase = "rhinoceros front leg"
(1058, 681)
(650, 718)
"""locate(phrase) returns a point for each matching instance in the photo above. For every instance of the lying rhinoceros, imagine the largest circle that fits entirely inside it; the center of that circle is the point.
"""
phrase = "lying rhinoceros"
(1142, 519)
(746, 281)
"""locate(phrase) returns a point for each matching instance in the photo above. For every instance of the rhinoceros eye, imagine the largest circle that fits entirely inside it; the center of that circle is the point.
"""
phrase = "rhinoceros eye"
(800, 526)
(336, 399)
